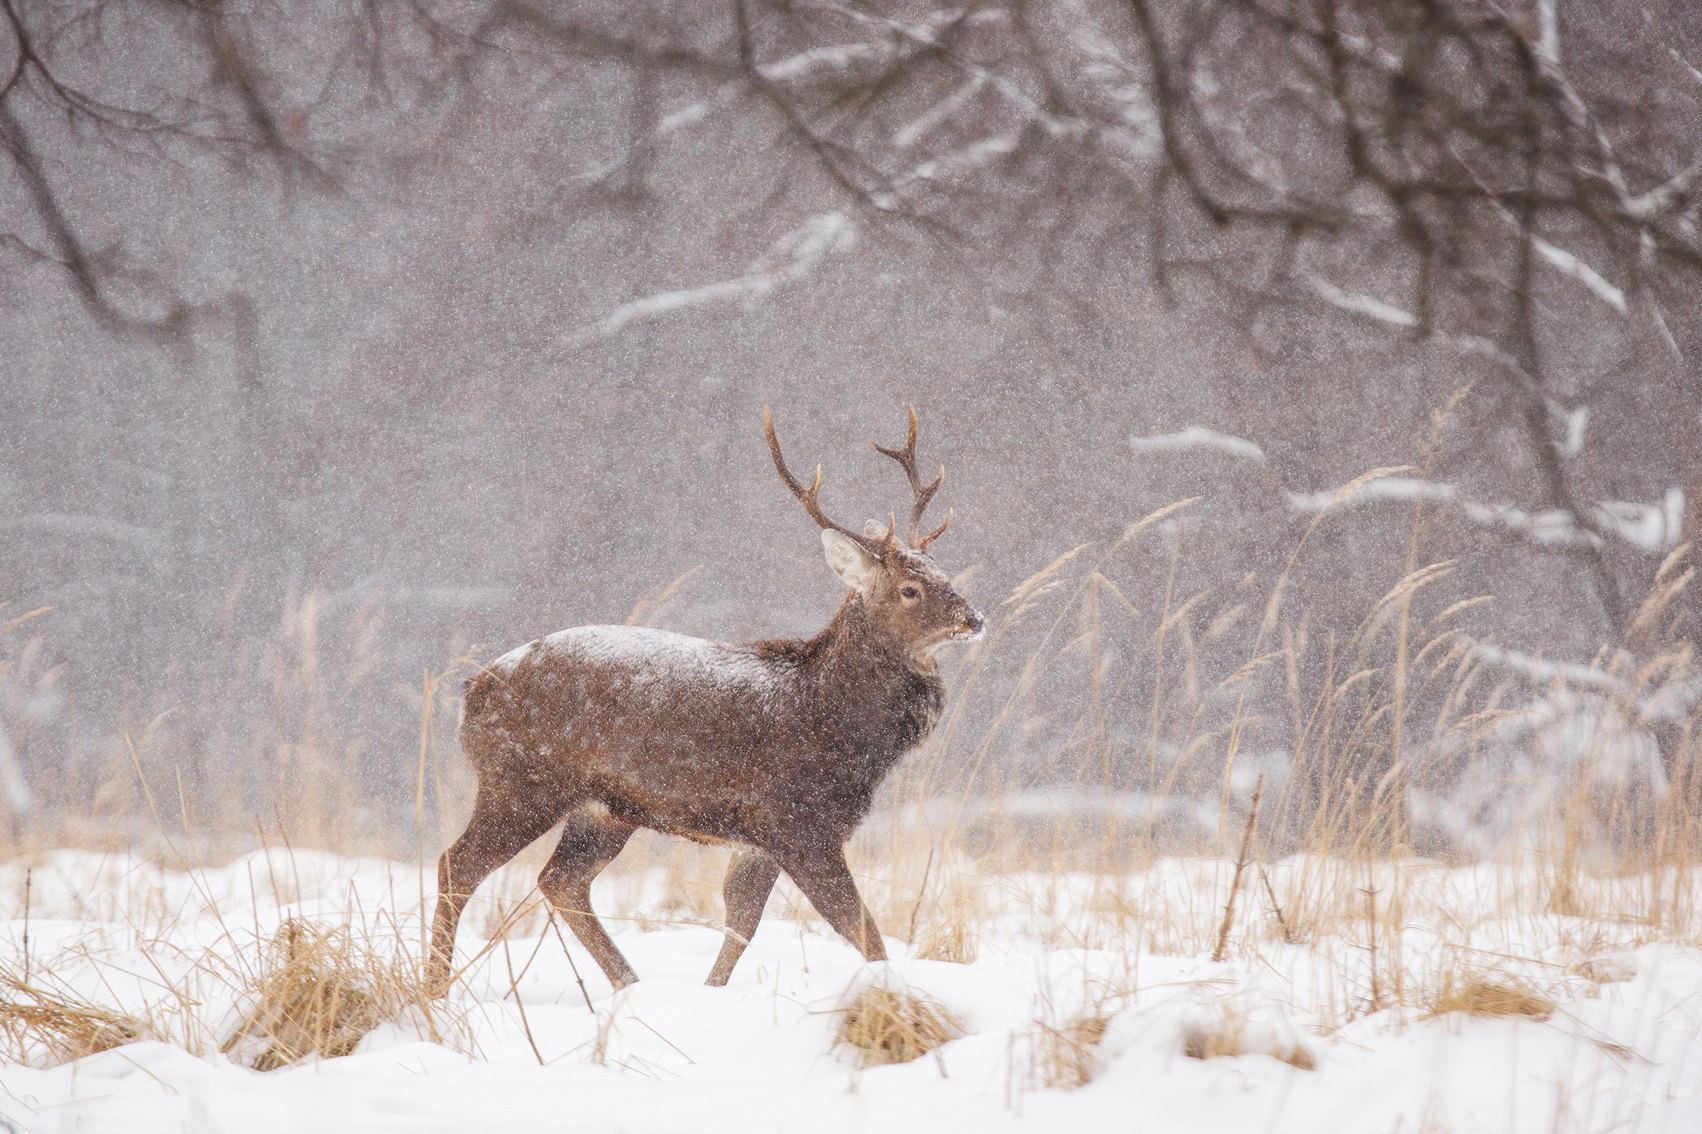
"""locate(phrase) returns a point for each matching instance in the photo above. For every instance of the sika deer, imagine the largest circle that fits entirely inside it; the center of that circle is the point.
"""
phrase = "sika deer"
(775, 747)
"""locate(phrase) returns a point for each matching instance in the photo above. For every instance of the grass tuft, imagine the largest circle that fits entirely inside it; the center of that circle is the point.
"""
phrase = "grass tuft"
(319, 993)
(1488, 994)
(884, 1025)
(1227, 1033)
(41, 1026)
(1605, 970)
(1067, 1056)
(952, 941)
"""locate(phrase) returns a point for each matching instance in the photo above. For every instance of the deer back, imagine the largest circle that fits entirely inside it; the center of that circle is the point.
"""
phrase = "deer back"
(708, 739)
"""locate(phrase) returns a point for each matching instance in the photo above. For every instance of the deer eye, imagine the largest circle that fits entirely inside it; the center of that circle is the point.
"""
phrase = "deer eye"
(909, 591)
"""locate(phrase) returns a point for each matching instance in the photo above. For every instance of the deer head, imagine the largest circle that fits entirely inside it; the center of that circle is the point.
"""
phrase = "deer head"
(907, 600)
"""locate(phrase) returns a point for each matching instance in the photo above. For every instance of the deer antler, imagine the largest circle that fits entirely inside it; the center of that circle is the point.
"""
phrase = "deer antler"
(807, 496)
(924, 492)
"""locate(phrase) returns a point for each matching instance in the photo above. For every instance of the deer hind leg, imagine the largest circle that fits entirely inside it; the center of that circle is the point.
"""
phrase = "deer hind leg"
(750, 877)
(504, 822)
(821, 873)
(589, 842)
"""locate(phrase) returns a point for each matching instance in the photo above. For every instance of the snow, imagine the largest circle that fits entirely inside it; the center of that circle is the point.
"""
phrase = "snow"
(1397, 488)
(1577, 422)
(689, 115)
(1619, 1052)
(980, 152)
(792, 257)
(1559, 258)
(834, 57)
(1648, 527)
(1533, 763)
(1362, 304)
(1197, 437)
(1570, 265)
(147, 542)
(652, 657)
(1548, 670)
(1651, 527)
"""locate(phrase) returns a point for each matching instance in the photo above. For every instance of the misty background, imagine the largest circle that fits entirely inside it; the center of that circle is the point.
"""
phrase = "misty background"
(342, 340)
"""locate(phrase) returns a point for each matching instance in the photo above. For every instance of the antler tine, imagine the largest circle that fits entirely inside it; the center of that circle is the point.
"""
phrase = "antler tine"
(923, 492)
(807, 496)
(936, 533)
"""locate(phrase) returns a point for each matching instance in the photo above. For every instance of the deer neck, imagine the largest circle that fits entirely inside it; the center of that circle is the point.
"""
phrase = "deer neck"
(852, 642)
(862, 671)
(854, 635)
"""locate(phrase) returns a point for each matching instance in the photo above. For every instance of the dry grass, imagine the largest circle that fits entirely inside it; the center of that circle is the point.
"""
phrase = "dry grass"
(1488, 994)
(884, 1025)
(319, 992)
(952, 941)
(1066, 1056)
(510, 904)
(1605, 970)
(1166, 695)
(44, 1026)
(1227, 1032)
(688, 876)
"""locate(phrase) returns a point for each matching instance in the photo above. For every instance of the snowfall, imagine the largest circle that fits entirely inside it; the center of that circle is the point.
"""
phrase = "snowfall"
(1332, 1034)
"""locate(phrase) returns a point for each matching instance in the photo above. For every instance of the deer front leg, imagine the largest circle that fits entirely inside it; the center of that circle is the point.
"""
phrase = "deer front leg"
(820, 872)
(750, 877)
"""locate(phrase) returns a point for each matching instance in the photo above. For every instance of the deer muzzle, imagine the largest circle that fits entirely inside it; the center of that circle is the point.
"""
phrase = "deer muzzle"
(970, 628)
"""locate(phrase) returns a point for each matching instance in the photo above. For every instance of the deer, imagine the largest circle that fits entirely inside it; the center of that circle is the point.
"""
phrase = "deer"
(773, 747)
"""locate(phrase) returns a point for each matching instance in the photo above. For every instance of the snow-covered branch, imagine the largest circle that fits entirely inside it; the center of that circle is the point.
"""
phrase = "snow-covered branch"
(792, 257)
(1647, 527)
(1361, 304)
(1197, 437)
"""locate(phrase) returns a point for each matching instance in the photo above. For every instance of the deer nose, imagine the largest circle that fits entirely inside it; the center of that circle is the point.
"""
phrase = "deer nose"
(974, 623)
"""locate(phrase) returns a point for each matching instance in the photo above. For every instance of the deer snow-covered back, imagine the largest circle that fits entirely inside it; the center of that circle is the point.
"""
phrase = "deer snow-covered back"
(775, 747)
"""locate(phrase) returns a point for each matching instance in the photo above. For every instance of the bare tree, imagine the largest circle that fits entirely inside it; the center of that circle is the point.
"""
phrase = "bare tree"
(1306, 224)
(1490, 183)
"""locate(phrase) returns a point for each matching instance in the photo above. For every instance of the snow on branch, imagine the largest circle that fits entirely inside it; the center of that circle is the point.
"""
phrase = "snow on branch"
(1614, 676)
(1548, 33)
(1403, 489)
(1652, 527)
(1669, 700)
(907, 135)
(981, 152)
(837, 56)
(1648, 527)
(1361, 304)
(1197, 437)
(1558, 258)
(1544, 670)
(1650, 204)
(792, 257)
(1569, 265)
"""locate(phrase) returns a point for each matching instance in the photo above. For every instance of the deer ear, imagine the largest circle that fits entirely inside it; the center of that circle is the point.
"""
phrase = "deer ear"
(874, 529)
(849, 561)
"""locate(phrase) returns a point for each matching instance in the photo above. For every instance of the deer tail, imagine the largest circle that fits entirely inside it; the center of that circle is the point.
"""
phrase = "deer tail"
(479, 688)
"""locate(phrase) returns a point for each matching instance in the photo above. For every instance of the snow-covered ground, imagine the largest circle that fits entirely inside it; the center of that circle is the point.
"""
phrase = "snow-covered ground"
(522, 1050)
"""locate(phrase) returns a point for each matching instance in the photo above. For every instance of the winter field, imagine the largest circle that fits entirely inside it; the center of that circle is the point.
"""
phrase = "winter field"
(1465, 901)
(1403, 995)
